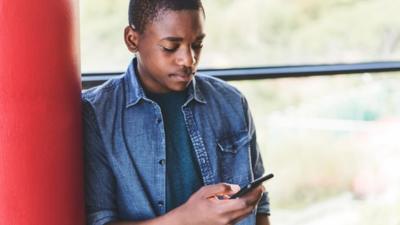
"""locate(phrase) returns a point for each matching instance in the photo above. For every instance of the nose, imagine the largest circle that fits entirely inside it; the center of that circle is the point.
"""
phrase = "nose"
(187, 58)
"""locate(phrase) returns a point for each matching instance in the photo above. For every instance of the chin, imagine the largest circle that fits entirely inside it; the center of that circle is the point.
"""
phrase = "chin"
(179, 87)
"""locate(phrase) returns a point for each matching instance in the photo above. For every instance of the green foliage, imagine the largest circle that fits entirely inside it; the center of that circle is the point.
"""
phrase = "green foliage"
(311, 165)
(260, 32)
(317, 163)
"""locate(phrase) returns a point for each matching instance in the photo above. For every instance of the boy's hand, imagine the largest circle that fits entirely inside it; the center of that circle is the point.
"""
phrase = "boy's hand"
(205, 206)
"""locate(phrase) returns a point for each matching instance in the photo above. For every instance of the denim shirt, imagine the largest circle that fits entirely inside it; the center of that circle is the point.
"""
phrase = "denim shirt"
(124, 142)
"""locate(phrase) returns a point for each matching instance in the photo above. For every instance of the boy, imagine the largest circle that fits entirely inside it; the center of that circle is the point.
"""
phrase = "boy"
(161, 144)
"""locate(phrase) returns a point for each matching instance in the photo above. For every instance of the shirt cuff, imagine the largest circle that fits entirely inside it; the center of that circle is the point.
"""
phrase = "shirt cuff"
(263, 205)
(102, 217)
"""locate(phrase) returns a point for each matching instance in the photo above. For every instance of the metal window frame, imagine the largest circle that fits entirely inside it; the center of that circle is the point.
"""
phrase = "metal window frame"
(254, 73)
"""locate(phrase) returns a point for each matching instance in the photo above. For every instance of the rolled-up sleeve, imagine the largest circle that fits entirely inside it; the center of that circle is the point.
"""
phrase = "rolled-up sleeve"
(263, 206)
(99, 179)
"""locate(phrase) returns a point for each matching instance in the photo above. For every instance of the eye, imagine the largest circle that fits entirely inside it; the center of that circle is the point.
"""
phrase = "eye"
(197, 46)
(169, 47)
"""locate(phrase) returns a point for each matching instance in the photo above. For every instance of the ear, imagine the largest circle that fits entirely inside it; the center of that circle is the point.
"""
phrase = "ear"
(131, 39)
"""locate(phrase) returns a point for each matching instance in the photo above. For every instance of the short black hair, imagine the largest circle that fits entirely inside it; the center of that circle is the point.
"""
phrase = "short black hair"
(142, 12)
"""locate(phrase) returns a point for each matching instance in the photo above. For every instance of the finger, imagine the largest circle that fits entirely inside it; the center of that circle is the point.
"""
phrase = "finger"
(231, 205)
(255, 195)
(250, 199)
(237, 209)
(218, 189)
(241, 207)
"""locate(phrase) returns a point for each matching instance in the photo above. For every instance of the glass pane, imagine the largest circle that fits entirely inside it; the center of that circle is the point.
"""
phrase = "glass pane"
(259, 32)
(333, 145)
(275, 32)
(102, 29)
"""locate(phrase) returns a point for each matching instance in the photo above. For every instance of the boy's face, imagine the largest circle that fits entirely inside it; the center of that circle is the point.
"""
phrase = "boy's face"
(168, 51)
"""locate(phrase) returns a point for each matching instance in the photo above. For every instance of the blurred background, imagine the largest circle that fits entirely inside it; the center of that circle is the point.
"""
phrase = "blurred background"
(333, 141)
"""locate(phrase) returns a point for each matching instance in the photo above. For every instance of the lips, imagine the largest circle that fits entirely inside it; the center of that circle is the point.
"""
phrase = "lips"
(181, 77)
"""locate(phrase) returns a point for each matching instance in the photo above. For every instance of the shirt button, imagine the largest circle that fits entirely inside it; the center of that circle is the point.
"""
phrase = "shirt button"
(162, 162)
(160, 204)
(159, 120)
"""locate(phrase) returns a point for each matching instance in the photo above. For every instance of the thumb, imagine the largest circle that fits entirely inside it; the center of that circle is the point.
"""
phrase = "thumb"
(219, 189)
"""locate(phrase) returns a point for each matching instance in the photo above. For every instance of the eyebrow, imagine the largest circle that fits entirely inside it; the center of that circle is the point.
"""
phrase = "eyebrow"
(179, 39)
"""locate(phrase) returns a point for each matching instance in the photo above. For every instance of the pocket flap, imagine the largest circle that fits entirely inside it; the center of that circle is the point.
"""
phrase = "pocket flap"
(232, 143)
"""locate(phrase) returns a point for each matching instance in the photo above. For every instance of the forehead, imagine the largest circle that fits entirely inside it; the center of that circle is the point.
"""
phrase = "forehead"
(181, 23)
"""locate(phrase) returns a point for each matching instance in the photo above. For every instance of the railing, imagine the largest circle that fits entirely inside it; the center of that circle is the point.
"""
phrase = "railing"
(94, 79)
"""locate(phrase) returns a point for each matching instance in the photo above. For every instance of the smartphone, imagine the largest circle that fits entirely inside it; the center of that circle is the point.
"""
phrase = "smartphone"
(251, 186)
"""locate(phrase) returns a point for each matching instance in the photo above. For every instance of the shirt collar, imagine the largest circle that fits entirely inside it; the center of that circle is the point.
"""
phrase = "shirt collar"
(134, 90)
(194, 92)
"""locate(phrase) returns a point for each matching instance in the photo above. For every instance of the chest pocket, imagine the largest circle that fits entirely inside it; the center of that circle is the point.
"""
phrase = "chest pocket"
(234, 163)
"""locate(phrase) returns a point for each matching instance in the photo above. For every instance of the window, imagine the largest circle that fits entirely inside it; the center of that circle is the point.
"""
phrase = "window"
(333, 145)
(259, 33)
(331, 141)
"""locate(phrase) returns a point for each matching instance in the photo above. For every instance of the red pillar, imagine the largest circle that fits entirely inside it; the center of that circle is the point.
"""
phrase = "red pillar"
(41, 172)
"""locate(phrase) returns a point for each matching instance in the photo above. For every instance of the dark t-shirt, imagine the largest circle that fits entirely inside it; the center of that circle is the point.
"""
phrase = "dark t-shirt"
(183, 172)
